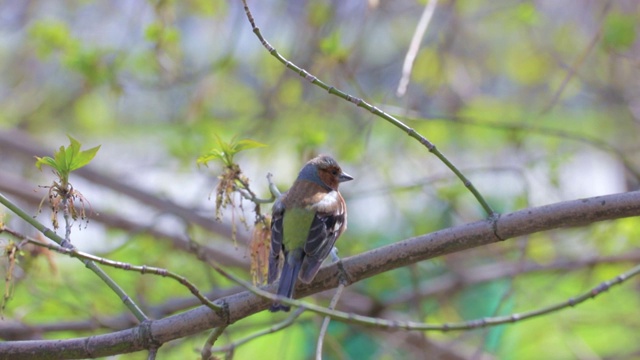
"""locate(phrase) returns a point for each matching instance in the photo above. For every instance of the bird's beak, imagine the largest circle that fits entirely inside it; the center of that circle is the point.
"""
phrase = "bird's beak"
(344, 177)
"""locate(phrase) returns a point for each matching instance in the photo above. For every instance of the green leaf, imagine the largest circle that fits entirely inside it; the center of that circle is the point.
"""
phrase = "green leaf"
(68, 159)
(76, 158)
(212, 155)
(61, 160)
(332, 45)
(48, 161)
(227, 150)
(247, 144)
(84, 157)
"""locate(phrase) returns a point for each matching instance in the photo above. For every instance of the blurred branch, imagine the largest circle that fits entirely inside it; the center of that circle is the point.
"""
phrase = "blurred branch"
(542, 130)
(578, 63)
(275, 328)
(414, 46)
(239, 306)
(25, 145)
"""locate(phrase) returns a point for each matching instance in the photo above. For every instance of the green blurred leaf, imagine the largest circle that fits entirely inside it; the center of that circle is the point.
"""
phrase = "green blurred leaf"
(619, 31)
(332, 45)
(319, 13)
(93, 111)
(153, 32)
(208, 7)
(527, 13)
(290, 92)
(159, 32)
(50, 36)
(526, 65)
(427, 68)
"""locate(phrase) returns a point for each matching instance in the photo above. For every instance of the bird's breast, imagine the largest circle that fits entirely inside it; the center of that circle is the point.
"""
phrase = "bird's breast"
(310, 196)
(324, 202)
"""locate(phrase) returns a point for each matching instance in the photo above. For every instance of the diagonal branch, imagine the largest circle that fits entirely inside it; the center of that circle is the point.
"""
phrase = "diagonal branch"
(414, 47)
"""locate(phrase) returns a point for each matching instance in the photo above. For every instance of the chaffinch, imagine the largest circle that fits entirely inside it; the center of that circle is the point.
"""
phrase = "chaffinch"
(306, 222)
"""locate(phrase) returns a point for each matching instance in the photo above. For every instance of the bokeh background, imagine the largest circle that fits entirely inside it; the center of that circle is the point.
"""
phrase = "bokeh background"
(535, 101)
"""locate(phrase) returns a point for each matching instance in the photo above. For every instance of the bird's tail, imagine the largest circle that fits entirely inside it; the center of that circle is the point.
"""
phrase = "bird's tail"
(288, 279)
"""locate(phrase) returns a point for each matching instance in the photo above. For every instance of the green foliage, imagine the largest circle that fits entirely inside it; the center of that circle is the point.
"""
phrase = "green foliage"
(332, 46)
(97, 66)
(94, 111)
(67, 159)
(162, 33)
(319, 13)
(527, 65)
(209, 7)
(225, 151)
(428, 69)
(50, 36)
(290, 92)
(619, 31)
(527, 13)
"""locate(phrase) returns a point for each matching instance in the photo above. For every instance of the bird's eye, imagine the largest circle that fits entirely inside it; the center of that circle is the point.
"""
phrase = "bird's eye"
(334, 172)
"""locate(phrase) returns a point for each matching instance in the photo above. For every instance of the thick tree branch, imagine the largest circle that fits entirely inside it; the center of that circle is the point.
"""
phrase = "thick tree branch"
(241, 305)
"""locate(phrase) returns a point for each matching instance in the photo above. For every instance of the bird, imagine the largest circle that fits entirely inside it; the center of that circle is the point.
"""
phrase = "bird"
(306, 221)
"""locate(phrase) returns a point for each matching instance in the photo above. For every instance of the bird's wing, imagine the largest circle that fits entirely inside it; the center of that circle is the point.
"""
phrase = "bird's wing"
(277, 214)
(329, 222)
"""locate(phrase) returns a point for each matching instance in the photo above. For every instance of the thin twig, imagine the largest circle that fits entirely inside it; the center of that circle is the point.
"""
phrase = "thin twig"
(143, 269)
(414, 46)
(211, 339)
(327, 319)
(578, 63)
(248, 194)
(67, 221)
(277, 327)
(412, 325)
(153, 352)
(272, 186)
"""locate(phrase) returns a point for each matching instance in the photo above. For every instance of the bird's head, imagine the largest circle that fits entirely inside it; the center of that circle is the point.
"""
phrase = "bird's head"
(325, 171)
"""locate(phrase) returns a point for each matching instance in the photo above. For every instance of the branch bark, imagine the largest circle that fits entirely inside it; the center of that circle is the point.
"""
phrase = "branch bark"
(241, 305)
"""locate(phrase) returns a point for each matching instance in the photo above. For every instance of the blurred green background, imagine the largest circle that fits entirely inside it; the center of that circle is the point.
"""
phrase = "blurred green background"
(535, 101)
